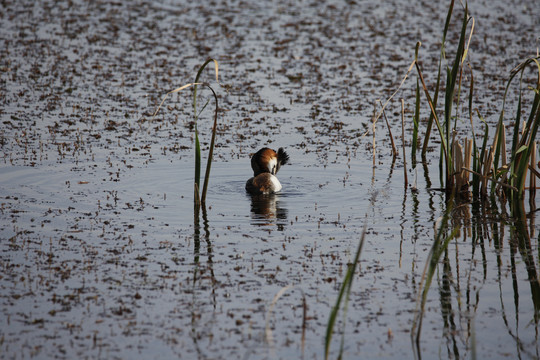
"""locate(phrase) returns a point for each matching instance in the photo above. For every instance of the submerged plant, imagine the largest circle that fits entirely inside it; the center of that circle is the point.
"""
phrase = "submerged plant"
(200, 198)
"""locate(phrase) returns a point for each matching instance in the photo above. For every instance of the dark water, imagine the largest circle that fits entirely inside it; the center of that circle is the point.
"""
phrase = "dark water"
(101, 255)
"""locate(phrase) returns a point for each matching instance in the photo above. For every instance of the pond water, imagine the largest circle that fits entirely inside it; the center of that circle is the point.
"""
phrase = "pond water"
(103, 256)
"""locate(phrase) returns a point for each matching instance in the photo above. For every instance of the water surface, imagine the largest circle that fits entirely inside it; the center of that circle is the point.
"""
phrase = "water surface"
(101, 253)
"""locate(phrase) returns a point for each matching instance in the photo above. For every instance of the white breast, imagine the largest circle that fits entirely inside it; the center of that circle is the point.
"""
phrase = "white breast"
(276, 185)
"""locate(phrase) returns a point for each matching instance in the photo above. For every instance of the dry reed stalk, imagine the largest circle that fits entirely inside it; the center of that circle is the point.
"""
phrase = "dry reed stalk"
(513, 188)
(462, 162)
(504, 161)
(467, 161)
(457, 156)
(468, 155)
(399, 87)
(488, 162)
(403, 142)
(394, 150)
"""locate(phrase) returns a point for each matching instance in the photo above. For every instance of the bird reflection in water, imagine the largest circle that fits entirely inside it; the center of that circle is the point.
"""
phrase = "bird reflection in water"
(267, 209)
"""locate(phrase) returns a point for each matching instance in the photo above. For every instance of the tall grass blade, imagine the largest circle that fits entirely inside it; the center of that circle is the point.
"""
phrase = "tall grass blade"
(445, 133)
(203, 66)
(517, 123)
(374, 127)
(211, 150)
(344, 293)
(482, 155)
(431, 117)
(523, 164)
(197, 183)
(198, 199)
(416, 121)
(452, 76)
(471, 92)
(451, 79)
(446, 26)
(197, 144)
(406, 181)
(436, 94)
(497, 144)
(461, 70)
(532, 176)
(444, 142)
(522, 142)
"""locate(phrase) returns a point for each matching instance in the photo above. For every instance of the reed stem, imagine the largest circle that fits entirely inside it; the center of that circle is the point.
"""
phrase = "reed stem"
(403, 142)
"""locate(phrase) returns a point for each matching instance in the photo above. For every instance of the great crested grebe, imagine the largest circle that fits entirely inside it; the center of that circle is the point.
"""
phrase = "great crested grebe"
(265, 164)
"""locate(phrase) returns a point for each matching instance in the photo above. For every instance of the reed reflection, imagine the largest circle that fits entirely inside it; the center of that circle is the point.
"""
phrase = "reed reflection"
(462, 280)
(201, 274)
